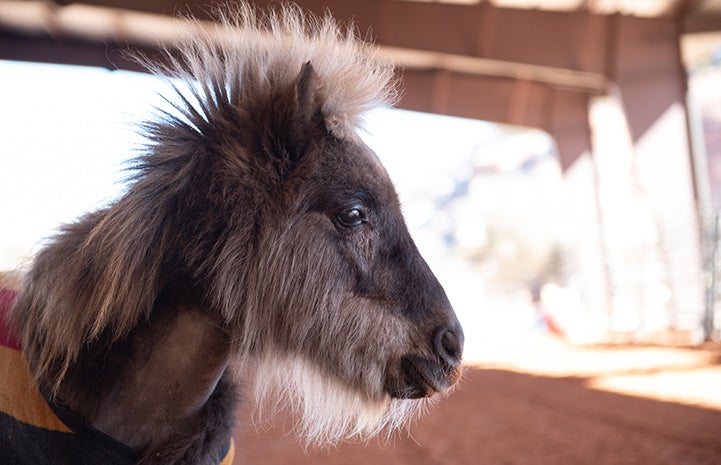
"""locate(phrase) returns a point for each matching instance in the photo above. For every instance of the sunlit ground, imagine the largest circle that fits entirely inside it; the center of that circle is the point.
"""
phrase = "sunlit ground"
(66, 132)
(690, 376)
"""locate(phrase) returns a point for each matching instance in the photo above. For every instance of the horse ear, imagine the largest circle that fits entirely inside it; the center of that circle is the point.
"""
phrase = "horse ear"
(293, 119)
(307, 121)
(307, 88)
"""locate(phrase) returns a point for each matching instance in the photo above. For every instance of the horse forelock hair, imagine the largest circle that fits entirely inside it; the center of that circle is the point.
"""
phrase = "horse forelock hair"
(251, 53)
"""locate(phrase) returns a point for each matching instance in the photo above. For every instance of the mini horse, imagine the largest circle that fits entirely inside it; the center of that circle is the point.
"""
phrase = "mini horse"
(258, 234)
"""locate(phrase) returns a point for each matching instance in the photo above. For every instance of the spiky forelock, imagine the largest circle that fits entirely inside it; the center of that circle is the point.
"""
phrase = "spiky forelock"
(248, 52)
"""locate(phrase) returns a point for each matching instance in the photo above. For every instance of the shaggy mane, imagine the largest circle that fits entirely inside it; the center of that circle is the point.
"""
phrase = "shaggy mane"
(252, 53)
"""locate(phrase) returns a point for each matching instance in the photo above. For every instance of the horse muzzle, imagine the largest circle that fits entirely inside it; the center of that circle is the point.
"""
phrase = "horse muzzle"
(422, 376)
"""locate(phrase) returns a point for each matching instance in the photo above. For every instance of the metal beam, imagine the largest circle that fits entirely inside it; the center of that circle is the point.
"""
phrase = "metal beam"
(65, 51)
(651, 82)
(561, 112)
(470, 39)
(411, 59)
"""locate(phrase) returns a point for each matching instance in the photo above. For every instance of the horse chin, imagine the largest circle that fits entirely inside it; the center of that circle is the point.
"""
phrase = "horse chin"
(327, 410)
(420, 377)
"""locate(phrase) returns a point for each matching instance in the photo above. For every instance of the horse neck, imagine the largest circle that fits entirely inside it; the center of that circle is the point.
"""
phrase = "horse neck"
(158, 380)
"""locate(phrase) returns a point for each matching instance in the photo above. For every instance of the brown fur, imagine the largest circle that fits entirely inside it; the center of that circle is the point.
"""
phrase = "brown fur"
(234, 224)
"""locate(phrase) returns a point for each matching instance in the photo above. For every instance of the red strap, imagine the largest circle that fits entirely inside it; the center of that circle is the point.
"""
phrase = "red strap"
(7, 338)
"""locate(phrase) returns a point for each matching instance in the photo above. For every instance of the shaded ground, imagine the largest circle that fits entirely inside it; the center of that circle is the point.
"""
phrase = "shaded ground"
(557, 409)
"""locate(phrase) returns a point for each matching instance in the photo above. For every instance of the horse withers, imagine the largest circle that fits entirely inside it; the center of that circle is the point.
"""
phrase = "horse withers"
(258, 234)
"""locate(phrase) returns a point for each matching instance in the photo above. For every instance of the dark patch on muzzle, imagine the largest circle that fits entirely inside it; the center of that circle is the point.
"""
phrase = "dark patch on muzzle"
(422, 376)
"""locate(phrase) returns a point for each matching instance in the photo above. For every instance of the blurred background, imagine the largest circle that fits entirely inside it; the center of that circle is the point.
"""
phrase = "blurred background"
(559, 165)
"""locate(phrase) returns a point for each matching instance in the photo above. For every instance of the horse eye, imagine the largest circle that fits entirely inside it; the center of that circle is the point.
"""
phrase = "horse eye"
(352, 217)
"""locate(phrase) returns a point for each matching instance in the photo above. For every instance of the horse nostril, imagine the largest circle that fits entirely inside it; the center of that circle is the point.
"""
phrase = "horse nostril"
(447, 346)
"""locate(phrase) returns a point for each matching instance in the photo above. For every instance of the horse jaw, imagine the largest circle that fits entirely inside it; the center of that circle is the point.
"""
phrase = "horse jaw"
(326, 410)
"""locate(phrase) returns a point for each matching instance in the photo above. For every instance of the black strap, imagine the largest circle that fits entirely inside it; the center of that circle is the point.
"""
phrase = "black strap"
(79, 426)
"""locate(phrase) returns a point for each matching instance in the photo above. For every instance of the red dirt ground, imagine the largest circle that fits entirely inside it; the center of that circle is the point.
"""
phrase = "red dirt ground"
(557, 409)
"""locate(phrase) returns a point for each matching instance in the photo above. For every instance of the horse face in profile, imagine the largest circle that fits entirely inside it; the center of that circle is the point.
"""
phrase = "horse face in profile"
(259, 235)
(346, 295)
